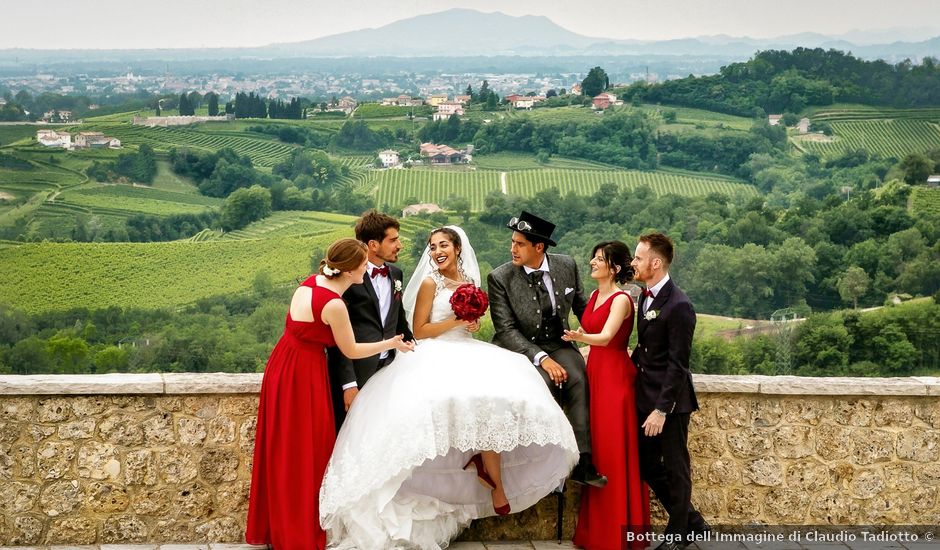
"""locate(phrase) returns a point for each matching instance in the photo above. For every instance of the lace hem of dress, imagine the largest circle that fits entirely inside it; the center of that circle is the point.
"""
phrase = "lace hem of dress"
(470, 427)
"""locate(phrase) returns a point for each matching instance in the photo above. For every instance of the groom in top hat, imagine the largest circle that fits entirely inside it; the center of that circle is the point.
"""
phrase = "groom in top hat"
(375, 311)
(530, 299)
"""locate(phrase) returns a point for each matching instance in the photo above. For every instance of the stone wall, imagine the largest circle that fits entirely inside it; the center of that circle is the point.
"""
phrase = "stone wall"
(167, 458)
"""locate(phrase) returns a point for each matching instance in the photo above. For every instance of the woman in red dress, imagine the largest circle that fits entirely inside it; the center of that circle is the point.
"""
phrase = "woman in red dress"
(295, 430)
(623, 505)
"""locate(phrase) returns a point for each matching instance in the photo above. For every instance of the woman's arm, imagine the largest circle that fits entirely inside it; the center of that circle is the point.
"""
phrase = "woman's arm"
(334, 315)
(620, 311)
(422, 325)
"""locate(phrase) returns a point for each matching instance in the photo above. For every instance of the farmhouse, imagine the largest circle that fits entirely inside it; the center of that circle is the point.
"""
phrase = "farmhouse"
(576, 89)
(424, 208)
(462, 99)
(933, 180)
(605, 100)
(803, 125)
(774, 120)
(436, 99)
(447, 109)
(95, 140)
(389, 158)
(443, 154)
(51, 138)
(57, 116)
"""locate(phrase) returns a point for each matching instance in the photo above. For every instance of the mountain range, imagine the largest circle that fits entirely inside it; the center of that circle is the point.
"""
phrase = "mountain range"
(469, 33)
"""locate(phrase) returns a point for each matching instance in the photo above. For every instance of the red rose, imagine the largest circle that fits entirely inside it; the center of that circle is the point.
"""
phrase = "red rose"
(469, 302)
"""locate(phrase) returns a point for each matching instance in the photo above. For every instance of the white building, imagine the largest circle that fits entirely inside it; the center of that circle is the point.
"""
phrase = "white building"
(51, 138)
(447, 109)
(389, 158)
(774, 120)
(425, 208)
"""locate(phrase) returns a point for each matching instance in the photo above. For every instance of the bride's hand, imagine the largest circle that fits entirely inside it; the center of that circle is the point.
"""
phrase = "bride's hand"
(572, 335)
(399, 343)
(473, 326)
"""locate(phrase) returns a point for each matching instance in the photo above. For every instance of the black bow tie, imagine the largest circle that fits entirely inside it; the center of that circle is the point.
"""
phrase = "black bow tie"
(536, 276)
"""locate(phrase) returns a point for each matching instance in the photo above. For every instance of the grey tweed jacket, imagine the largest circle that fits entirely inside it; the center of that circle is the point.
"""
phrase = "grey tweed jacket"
(514, 303)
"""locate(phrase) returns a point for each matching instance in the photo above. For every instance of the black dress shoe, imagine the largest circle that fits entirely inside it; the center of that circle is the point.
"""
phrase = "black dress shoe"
(586, 474)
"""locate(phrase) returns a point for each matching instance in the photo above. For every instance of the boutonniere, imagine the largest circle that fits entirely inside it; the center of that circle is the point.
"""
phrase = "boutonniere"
(397, 288)
(651, 315)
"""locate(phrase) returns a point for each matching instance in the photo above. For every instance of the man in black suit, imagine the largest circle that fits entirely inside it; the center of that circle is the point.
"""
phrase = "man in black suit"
(375, 310)
(530, 300)
(665, 397)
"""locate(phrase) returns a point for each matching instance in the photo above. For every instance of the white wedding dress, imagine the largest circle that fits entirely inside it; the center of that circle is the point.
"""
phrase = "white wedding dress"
(395, 479)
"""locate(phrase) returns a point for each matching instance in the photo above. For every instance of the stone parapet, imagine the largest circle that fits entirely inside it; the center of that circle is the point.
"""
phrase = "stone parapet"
(154, 458)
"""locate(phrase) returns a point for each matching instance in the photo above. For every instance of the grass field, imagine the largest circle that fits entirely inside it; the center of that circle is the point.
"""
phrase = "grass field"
(396, 187)
(290, 223)
(925, 199)
(55, 276)
(888, 137)
(507, 161)
(11, 134)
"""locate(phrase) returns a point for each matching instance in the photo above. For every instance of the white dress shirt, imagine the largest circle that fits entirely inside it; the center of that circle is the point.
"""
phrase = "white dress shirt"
(655, 290)
(383, 290)
(547, 281)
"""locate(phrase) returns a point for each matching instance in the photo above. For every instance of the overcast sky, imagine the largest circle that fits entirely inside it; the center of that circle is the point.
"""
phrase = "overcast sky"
(125, 24)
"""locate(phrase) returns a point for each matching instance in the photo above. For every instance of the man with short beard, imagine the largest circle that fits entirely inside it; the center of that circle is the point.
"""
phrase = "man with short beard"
(375, 310)
(665, 397)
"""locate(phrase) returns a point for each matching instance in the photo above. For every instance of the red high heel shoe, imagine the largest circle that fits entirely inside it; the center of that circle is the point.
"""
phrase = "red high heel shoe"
(502, 510)
(477, 461)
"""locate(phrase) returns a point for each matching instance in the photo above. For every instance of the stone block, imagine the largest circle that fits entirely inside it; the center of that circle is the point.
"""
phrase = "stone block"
(221, 430)
(98, 461)
(106, 498)
(735, 413)
(225, 529)
(767, 412)
(202, 406)
(9, 431)
(212, 383)
(17, 497)
(177, 466)
(61, 497)
(793, 441)
(919, 445)
(74, 530)
(724, 473)
(854, 412)
(81, 384)
(866, 484)
(122, 529)
(91, 405)
(246, 435)
(39, 433)
(79, 429)
(764, 471)
(152, 502)
(787, 506)
(52, 409)
(16, 408)
(899, 476)
(833, 507)
(192, 431)
(122, 429)
(232, 497)
(743, 503)
(893, 413)
(870, 446)
(158, 429)
(54, 459)
(194, 501)
(26, 529)
(750, 443)
(833, 442)
(707, 444)
(807, 475)
(140, 468)
(239, 406)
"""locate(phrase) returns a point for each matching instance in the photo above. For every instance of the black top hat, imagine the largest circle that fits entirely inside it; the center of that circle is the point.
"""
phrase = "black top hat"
(534, 226)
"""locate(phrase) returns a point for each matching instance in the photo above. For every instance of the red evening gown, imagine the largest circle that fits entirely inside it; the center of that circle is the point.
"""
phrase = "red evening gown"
(614, 431)
(295, 435)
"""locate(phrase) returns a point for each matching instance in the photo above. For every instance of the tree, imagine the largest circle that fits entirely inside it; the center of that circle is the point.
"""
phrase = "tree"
(853, 284)
(491, 101)
(213, 100)
(595, 82)
(484, 95)
(469, 92)
(156, 111)
(185, 107)
(244, 206)
(551, 93)
(917, 167)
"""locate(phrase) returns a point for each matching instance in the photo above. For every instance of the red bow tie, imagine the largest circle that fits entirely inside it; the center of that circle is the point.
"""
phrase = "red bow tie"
(383, 271)
(646, 291)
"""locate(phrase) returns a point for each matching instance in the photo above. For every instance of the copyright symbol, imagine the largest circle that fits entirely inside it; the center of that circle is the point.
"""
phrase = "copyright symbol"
(928, 537)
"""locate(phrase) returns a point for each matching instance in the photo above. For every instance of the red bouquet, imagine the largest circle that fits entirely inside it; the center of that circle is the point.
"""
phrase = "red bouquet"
(469, 302)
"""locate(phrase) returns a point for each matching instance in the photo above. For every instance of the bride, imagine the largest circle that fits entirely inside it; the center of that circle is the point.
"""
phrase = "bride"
(460, 429)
